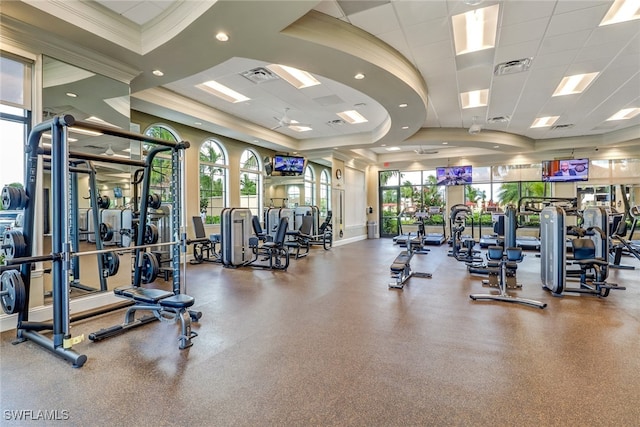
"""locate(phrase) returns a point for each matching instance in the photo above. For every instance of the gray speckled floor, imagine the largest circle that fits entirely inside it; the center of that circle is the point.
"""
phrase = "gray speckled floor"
(328, 344)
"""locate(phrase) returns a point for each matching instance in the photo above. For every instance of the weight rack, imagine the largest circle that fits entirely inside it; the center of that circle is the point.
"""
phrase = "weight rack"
(61, 342)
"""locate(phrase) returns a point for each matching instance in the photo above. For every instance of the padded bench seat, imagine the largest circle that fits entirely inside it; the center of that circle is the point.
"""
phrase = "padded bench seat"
(146, 295)
(401, 261)
(178, 301)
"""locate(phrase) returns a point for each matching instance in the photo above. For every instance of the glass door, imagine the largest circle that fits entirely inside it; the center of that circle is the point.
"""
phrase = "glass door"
(389, 210)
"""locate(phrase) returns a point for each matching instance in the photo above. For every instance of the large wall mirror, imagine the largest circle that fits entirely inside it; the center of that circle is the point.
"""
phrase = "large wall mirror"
(88, 96)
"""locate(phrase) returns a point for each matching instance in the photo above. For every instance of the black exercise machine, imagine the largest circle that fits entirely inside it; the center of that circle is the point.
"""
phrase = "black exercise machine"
(204, 248)
(299, 240)
(501, 267)
(272, 253)
(553, 254)
(619, 245)
(462, 246)
(435, 238)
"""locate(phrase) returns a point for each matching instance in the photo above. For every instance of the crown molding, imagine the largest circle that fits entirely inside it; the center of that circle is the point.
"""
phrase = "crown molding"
(25, 37)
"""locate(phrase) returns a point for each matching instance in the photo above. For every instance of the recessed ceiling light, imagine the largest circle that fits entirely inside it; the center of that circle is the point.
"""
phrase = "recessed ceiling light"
(359, 76)
(475, 30)
(625, 114)
(445, 143)
(542, 122)
(475, 98)
(297, 78)
(221, 91)
(496, 146)
(574, 84)
(403, 105)
(158, 73)
(383, 145)
(197, 123)
(392, 148)
(72, 95)
(621, 11)
(405, 127)
(222, 37)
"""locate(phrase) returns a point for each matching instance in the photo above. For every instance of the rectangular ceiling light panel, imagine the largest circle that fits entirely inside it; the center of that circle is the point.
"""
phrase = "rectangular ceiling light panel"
(352, 117)
(625, 114)
(574, 84)
(475, 98)
(622, 11)
(542, 122)
(296, 78)
(221, 91)
(475, 30)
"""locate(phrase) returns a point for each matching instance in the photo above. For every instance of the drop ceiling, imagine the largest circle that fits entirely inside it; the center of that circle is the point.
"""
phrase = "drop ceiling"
(406, 51)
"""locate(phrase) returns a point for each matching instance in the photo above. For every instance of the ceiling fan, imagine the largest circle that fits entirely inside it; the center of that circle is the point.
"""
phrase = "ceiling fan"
(425, 151)
(286, 121)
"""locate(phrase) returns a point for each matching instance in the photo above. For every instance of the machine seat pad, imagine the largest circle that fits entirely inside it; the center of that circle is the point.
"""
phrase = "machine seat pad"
(178, 301)
(401, 261)
(511, 265)
(146, 295)
(592, 261)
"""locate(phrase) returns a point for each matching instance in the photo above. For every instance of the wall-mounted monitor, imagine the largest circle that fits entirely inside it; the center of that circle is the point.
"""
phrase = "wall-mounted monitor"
(117, 192)
(454, 175)
(565, 170)
(288, 165)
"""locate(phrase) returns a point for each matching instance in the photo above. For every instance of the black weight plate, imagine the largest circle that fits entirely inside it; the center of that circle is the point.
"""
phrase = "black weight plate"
(14, 245)
(111, 261)
(150, 234)
(106, 231)
(150, 268)
(154, 201)
(103, 202)
(13, 294)
(11, 198)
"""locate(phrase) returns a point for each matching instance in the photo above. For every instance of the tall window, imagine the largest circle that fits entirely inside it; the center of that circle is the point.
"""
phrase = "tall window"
(213, 181)
(161, 166)
(250, 183)
(15, 116)
(309, 187)
(325, 193)
(293, 195)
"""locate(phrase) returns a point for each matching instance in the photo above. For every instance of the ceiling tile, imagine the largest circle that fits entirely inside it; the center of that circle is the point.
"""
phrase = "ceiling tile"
(378, 20)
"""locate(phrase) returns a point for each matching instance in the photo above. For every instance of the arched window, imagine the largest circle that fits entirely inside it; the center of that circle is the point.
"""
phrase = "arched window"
(250, 182)
(213, 181)
(325, 193)
(293, 195)
(309, 186)
(161, 166)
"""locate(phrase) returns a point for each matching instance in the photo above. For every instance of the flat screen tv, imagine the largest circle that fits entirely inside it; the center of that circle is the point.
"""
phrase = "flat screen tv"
(565, 170)
(117, 192)
(454, 175)
(288, 165)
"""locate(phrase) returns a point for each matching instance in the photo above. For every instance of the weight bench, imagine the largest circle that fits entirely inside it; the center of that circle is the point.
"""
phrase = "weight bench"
(163, 305)
(401, 270)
